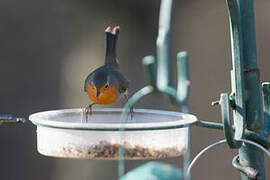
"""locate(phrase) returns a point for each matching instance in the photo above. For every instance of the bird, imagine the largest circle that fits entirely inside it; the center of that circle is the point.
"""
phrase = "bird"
(106, 84)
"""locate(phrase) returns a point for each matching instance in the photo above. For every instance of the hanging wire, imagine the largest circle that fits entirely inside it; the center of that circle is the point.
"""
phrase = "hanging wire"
(221, 142)
(256, 144)
(203, 151)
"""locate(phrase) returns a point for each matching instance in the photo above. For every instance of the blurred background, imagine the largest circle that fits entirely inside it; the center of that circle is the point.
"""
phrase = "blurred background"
(47, 48)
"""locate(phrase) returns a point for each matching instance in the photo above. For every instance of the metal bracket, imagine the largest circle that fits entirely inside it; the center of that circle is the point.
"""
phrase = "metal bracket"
(226, 119)
(249, 171)
(10, 119)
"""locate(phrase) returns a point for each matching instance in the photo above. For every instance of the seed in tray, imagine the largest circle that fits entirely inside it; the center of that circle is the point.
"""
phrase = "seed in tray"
(106, 149)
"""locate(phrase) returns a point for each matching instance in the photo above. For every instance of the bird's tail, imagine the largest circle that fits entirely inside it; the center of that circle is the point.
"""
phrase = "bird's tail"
(111, 37)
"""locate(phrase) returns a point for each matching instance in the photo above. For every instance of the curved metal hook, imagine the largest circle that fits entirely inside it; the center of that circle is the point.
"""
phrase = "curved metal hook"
(249, 171)
(226, 119)
(202, 152)
(160, 81)
(221, 142)
(137, 96)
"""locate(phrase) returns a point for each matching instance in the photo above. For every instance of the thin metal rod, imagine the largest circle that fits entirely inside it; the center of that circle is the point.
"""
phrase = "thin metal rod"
(202, 152)
(8, 118)
(136, 97)
(149, 70)
(211, 125)
(256, 144)
(183, 86)
(183, 82)
(221, 142)
(163, 45)
(248, 134)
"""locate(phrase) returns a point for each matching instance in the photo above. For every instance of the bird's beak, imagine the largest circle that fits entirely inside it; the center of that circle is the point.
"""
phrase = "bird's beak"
(98, 93)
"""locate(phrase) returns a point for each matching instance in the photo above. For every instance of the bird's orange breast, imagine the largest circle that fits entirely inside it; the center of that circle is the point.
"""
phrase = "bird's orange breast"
(107, 96)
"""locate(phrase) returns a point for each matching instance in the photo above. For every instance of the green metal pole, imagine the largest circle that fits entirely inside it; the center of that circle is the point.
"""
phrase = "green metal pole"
(237, 75)
(266, 107)
(163, 45)
(250, 156)
(183, 85)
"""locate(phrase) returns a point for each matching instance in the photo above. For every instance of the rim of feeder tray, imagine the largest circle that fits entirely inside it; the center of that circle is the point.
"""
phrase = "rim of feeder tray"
(176, 120)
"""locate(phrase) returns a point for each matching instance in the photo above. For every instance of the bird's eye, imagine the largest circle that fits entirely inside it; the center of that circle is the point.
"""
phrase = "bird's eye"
(106, 86)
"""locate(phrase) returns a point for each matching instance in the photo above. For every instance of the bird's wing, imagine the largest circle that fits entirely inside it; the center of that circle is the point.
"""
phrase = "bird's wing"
(119, 79)
(86, 82)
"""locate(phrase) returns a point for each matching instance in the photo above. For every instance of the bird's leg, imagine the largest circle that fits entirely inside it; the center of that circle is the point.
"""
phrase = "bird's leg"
(88, 110)
(131, 112)
(131, 108)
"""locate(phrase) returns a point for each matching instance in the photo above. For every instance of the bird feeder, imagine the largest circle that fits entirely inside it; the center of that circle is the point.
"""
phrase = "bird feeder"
(150, 134)
(156, 134)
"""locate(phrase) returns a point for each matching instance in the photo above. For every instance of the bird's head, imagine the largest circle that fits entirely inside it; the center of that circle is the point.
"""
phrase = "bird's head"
(103, 91)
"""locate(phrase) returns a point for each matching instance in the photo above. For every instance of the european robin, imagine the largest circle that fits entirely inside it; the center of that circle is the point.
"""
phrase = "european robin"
(106, 85)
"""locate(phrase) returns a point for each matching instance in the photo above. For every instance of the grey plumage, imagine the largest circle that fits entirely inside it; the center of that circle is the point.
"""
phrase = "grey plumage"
(109, 72)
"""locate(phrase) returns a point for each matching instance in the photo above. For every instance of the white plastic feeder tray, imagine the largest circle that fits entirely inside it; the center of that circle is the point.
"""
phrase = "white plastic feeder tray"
(151, 134)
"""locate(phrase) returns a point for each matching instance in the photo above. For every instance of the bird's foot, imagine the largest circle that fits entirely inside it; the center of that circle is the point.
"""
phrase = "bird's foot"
(87, 111)
(131, 111)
